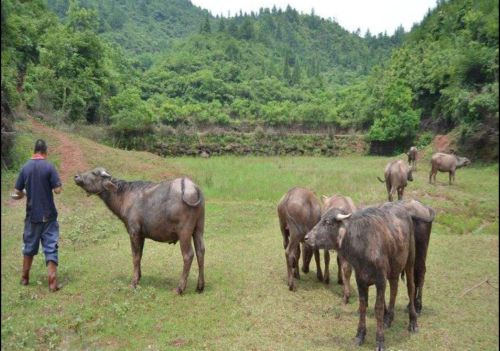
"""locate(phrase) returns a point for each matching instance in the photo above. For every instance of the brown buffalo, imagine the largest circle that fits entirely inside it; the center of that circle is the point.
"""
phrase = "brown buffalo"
(446, 163)
(379, 244)
(396, 174)
(412, 158)
(346, 204)
(169, 211)
(298, 211)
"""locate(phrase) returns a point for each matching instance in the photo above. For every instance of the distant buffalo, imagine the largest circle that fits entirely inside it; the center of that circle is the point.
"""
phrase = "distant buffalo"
(412, 158)
(446, 163)
(169, 211)
(396, 174)
(298, 211)
(344, 203)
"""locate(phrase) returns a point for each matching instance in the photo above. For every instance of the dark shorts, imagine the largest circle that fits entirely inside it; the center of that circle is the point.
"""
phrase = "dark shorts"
(47, 233)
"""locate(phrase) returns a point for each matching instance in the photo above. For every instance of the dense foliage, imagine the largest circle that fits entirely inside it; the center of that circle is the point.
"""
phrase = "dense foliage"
(140, 66)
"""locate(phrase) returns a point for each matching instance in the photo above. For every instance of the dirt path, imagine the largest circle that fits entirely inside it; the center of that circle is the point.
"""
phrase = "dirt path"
(71, 156)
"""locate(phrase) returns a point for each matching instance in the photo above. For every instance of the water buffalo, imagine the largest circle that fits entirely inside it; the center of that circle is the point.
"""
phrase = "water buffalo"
(169, 211)
(346, 204)
(298, 211)
(396, 174)
(422, 217)
(379, 244)
(412, 158)
(446, 163)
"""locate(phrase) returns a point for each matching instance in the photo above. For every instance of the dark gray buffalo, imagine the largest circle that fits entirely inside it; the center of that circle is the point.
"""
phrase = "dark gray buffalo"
(299, 210)
(169, 211)
(379, 244)
(446, 163)
(396, 174)
(346, 204)
(422, 217)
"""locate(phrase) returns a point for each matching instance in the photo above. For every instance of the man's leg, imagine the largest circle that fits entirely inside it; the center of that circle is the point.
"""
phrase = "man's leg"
(31, 242)
(50, 239)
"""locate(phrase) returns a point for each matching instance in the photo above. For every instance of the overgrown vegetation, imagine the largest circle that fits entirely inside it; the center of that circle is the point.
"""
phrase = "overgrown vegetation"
(137, 66)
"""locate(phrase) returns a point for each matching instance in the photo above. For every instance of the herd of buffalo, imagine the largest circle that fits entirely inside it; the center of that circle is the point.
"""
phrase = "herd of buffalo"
(380, 243)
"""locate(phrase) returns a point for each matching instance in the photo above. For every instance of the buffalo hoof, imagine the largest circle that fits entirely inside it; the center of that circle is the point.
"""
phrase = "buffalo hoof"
(360, 338)
(305, 269)
(178, 291)
(327, 280)
(345, 300)
(380, 346)
(24, 281)
(199, 289)
(292, 287)
(413, 327)
(55, 287)
(319, 276)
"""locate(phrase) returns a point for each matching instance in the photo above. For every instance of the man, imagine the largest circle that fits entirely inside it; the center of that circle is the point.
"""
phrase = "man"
(38, 178)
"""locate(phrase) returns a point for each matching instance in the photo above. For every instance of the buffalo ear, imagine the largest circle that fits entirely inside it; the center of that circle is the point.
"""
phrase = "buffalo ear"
(340, 238)
(110, 186)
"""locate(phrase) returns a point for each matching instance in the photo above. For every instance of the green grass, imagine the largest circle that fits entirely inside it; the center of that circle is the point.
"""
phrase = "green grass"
(246, 304)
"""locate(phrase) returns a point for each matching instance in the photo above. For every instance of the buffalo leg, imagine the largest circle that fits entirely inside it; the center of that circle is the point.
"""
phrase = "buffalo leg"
(317, 258)
(379, 313)
(389, 313)
(307, 253)
(363, 303)
(400, 193)
(346, 270)
(296, 260)
(187, 256)
(199, 247)
(326, 277)
(340, 279)
(290, 255)
(137, 244)
(410, 284)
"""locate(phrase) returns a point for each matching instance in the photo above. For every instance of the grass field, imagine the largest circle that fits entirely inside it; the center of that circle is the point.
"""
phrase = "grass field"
(246, 304)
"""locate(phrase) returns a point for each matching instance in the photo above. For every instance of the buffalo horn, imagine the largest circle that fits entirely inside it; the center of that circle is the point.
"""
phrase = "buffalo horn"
(341, 216)
(105, 174)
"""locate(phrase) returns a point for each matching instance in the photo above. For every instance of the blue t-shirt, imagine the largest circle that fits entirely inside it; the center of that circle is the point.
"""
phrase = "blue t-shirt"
(39, 177)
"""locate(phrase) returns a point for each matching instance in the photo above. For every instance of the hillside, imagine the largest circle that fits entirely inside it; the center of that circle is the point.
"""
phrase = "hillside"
(154, 75)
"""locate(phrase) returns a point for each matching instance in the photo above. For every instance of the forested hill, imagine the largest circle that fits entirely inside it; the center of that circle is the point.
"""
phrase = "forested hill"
(147, 27)
(144, 26)
(143, 69)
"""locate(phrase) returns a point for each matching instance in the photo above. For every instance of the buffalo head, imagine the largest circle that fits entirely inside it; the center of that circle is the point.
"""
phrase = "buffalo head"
(95, 181)
(329, 232)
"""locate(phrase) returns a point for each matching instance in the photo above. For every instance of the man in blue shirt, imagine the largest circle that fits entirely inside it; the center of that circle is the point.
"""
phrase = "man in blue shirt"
(38, 179)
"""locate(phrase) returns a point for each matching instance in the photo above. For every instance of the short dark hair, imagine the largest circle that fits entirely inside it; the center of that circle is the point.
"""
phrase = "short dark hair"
(40, 146)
